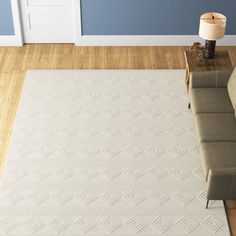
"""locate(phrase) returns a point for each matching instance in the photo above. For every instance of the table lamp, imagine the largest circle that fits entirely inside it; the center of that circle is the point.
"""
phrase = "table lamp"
(212, 27)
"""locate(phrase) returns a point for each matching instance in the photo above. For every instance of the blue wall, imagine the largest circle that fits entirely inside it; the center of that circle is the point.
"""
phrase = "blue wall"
(6, 20)
(151, 17)
(139, 17)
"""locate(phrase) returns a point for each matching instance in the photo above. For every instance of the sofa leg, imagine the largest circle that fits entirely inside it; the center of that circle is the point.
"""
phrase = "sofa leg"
(207, 203)
(189, 106)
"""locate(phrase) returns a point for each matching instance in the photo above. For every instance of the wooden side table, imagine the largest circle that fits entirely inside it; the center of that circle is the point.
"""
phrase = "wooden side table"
(195, 62)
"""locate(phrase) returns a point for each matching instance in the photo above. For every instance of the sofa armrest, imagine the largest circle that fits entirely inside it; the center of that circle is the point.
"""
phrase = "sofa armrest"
(221, 184)
(210, 79)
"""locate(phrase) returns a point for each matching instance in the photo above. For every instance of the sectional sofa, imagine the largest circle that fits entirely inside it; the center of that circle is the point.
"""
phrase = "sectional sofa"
(213, 104)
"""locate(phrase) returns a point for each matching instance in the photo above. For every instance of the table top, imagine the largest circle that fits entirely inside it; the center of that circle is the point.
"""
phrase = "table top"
(195, 61)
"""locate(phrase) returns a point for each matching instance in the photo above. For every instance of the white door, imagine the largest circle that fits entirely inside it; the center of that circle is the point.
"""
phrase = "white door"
(48, 21)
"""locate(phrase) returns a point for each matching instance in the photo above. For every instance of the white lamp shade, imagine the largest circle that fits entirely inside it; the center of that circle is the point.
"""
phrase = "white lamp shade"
(212, 26)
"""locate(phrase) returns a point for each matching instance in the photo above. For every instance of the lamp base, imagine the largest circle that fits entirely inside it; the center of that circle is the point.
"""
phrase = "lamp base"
(209, 51)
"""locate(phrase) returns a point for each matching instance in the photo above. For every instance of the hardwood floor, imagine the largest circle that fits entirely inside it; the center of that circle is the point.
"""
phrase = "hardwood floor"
(14, 61)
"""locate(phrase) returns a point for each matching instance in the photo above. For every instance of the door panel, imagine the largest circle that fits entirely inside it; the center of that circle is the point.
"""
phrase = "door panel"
(45, 2)
(48, 21)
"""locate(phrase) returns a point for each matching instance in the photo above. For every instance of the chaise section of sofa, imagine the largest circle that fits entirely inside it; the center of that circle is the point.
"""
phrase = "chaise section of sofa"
(213, 102)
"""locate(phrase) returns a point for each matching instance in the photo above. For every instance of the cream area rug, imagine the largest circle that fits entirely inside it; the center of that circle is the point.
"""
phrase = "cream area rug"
(105, 153)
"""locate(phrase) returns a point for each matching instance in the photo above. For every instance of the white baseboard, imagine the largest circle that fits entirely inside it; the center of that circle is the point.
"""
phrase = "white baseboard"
(134, 40)
(10, 40)
(148, 40)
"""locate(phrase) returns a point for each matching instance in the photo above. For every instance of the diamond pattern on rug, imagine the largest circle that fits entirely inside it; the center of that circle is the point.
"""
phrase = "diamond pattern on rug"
(105, 153)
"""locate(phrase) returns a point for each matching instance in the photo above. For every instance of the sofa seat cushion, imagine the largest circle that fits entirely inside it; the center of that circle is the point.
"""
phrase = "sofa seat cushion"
(215, 127)
(210, 100)
(218, 155)
(232, 89)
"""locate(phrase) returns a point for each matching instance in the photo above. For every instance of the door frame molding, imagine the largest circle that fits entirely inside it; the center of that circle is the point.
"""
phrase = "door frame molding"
(77, 23)
(16, 14)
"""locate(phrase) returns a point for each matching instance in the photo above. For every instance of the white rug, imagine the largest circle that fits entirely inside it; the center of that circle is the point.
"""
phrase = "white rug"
(105, 153)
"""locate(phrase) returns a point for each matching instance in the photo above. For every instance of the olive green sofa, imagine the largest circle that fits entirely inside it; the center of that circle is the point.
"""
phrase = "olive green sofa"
(213, 103)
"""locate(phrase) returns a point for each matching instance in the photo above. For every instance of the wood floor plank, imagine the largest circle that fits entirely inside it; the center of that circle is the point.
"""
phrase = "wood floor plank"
(15, 61)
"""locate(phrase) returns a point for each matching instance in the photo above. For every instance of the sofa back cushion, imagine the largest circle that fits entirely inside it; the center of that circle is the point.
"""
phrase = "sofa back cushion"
(232, 89)
(210, 79)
